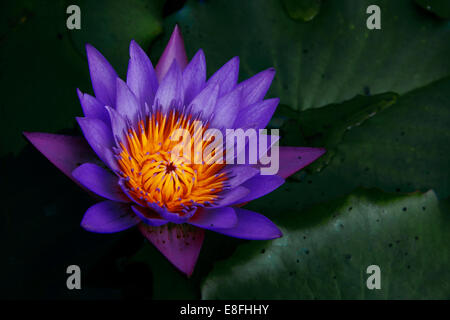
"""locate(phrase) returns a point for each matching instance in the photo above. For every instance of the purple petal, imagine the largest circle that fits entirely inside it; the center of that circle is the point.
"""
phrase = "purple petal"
(148, 216)
(65, 152)
(170, 91)
(226, 76)
(180, 243)
(109, 158)
(264, 148)
(257, 115)
(100, 181)
(103, 76)
(227, 109)
(241, 150)
(194, 77)
(100, 138)
(292, 159)
(261, 185)
(126, 191)
(232, 197)
(205, 101)
(255, 88)
(118, 125)
(141, 77)
(126, 102)
(108, 217)
(214, 218)
(172, 216)
(251, 226)
(92, 108)
(238, 174)
(174, 51)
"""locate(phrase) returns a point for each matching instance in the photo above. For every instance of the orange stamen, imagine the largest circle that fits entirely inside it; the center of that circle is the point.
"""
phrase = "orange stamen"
(153, 176)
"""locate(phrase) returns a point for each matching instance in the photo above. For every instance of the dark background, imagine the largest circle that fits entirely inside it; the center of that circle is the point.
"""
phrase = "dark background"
(378, 100)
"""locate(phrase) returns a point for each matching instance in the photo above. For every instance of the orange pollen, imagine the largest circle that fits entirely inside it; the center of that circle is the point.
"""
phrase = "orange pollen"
(153, 176)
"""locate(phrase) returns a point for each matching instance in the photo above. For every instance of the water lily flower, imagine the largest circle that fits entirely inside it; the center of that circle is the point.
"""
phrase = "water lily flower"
(123, 156)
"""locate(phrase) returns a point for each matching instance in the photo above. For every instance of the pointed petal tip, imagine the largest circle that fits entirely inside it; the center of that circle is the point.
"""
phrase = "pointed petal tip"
(30, 136)
(176, 38)
(102, 75)
(174, 50)
(200, 54)
(317, 152)
(251, 226)
(27, 134)
(279, 234)
(269, 73)
(80, 120)
(176, 30)
(293, 159)
(182, 251)
(275, 100)
(91, 50)
(65, 152)
(134, 48)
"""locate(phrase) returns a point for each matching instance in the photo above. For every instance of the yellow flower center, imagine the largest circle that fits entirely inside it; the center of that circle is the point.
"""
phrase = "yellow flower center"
(153, 175)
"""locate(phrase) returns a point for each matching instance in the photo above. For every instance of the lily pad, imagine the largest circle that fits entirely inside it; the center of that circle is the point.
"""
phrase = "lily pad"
(326, 250)
(325, 127)
(402, 149)
(327, 60)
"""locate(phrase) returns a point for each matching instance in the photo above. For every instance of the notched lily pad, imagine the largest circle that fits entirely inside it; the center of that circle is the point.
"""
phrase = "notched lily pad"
(326, 126)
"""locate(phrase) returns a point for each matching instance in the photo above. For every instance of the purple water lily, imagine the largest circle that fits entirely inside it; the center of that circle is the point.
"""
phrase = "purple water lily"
(123, 156)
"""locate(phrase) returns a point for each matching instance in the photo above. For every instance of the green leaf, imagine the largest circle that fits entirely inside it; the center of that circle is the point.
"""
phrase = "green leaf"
(327, 60)
(326, 250)
(304, 10)
(326, 126)
(402, 149)
(439, 7)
